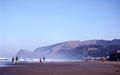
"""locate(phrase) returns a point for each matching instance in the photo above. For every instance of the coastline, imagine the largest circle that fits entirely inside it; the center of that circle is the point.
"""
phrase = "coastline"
(62, 68)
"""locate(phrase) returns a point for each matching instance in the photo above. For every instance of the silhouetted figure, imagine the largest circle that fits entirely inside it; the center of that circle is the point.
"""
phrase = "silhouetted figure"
(40, 60)
(16, 59)
(12, 59)
(43, 59)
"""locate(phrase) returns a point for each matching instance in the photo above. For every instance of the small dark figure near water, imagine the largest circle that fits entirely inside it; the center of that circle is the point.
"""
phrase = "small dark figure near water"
(12, 59)
(40, 60)
(16, 59)
(43, 59)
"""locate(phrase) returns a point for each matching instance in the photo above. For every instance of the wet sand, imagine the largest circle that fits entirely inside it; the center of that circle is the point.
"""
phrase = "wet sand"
(62, 68)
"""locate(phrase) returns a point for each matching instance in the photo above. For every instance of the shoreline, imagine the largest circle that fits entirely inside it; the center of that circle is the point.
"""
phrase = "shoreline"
(5, 64)
(62, 68)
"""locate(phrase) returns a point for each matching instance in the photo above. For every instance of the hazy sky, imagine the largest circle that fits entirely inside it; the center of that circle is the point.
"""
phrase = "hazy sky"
(28, 24)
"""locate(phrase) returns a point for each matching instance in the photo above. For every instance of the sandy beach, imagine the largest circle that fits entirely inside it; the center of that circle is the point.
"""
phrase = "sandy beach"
(61, 68)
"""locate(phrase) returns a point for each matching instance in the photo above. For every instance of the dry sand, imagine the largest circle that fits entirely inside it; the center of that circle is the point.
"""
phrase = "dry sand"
(62, 68)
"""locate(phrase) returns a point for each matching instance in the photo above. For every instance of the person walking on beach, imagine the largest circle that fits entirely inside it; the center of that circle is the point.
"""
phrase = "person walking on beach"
(16, 60)
(43, 59)
(40, 60)
(12, 59)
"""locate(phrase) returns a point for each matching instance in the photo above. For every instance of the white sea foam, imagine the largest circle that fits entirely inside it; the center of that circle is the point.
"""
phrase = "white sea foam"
(46, 60)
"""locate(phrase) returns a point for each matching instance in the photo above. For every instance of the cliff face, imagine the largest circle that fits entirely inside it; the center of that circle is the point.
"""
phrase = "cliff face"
(74, 49)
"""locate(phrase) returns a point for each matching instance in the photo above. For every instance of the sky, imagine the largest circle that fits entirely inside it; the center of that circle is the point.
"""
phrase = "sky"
(28, 24)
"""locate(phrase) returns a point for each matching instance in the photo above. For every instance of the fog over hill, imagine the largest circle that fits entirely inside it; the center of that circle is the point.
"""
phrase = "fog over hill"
(73, 49)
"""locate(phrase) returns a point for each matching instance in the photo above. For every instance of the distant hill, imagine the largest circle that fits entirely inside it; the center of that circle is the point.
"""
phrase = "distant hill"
(73, 49)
